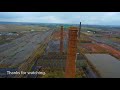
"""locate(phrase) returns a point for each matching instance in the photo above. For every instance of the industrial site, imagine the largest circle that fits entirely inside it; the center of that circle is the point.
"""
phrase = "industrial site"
(59, 50)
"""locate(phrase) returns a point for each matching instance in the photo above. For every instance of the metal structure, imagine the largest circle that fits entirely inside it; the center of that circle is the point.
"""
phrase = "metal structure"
(71, 54)
(57, 53)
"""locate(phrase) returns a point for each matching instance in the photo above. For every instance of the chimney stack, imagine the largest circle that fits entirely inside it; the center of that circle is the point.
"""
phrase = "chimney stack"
(79, 30)
(61, 40)
(70, 69)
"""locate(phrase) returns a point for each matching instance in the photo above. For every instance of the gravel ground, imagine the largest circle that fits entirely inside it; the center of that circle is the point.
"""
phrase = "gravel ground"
(20, 49)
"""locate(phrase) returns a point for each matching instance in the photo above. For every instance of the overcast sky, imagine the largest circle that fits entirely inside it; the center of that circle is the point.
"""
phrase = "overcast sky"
(101, 18)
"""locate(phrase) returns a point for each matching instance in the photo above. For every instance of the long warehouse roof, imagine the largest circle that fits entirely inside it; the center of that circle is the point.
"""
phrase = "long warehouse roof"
(105, 64)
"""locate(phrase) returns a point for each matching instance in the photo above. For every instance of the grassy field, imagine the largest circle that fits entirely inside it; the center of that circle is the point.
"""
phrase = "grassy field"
(19, 28)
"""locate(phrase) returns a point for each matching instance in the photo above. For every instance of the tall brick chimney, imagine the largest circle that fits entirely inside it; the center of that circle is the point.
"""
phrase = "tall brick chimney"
(61, 40)
(70, 69)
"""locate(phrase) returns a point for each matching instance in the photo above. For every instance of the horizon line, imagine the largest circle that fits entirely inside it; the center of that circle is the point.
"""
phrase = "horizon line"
(56, 23)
